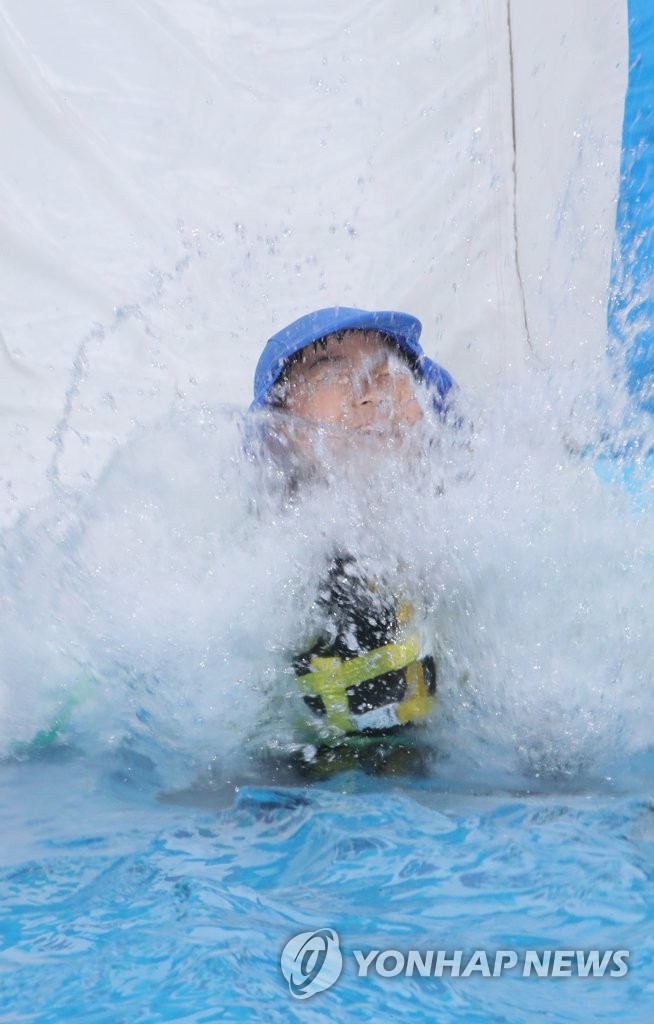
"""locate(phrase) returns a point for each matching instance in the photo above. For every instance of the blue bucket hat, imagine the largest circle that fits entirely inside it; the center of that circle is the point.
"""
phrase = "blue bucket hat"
(401, 327)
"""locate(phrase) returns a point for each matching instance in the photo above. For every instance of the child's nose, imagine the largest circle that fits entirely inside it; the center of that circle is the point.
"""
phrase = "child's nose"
(364, 389)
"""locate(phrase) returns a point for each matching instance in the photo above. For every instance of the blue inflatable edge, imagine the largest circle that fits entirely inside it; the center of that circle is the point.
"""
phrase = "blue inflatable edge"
(631, 300)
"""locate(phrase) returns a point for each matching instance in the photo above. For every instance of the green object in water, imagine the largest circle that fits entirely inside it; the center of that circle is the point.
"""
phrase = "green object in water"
(44, 739)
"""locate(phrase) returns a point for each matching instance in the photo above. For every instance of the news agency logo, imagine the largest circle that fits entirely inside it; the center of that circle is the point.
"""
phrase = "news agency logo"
(312, 962)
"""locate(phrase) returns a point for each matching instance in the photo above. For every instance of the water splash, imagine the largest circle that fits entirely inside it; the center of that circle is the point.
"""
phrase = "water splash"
(180, 584)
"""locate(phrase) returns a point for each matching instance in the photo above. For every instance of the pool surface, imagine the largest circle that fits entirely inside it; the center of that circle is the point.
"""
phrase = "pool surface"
(117, 906)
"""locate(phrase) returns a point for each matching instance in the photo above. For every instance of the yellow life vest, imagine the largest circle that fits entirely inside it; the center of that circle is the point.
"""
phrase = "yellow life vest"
(372, 692)
(367, 673)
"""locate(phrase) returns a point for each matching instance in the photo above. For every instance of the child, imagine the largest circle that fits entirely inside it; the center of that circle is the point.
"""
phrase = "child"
(364, 374)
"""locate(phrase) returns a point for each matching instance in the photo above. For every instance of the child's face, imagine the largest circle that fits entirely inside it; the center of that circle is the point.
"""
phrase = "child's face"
(358, 382)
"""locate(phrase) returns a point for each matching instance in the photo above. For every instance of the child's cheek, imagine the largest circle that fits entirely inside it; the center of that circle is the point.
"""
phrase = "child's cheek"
(413, 412)
(406, 405)
(326, 407)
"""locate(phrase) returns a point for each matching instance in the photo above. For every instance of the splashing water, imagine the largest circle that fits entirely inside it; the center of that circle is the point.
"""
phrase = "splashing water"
(172, 594)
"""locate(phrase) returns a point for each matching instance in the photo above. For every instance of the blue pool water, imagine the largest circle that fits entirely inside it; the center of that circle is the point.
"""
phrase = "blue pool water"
(118, 907)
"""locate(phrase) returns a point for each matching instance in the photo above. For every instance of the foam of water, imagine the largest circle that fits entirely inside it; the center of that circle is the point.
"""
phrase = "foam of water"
(182, 581)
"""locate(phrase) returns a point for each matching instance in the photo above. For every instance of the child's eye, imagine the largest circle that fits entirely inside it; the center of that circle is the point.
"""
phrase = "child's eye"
(329, 368)
(319, 362)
